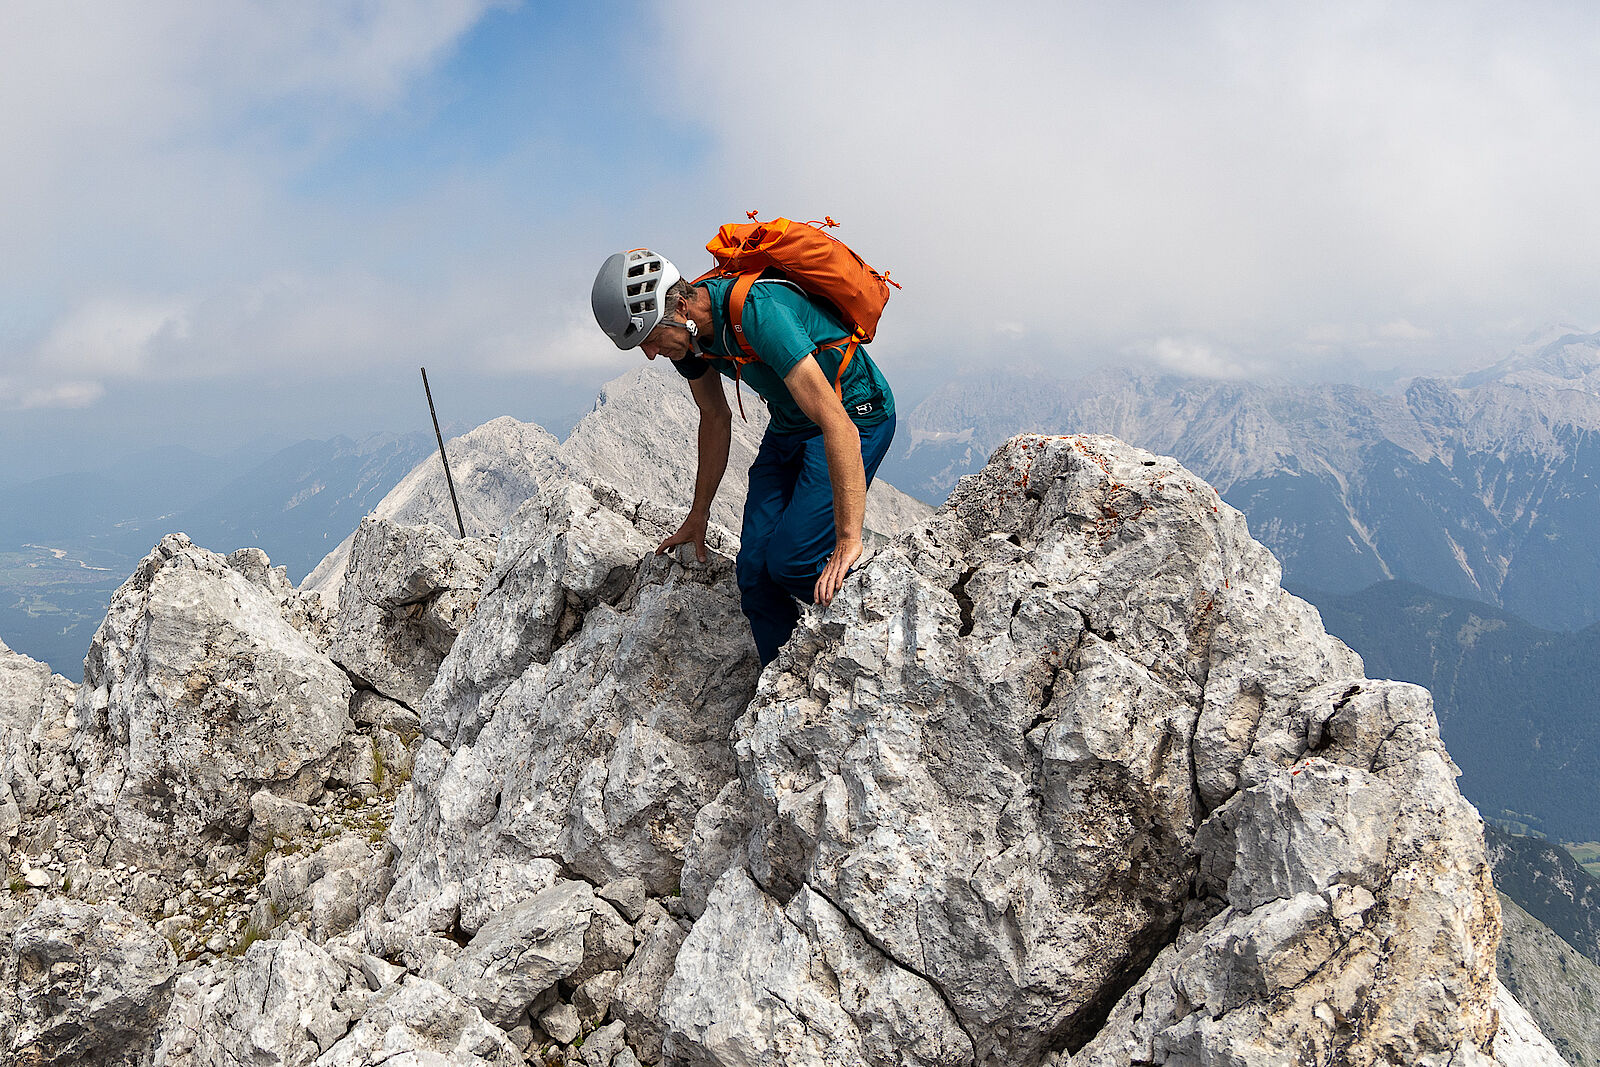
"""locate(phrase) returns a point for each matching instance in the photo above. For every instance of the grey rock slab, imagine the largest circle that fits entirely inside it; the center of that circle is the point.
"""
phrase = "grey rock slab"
(197, 694)
(92, 984)
(600, 1048)
(581, 720)
(277, 1008)
(407, 593)
(561, 1022)
(523, 951)
(627, 895)
(756, 981)
(329, 885)
(421, 1022)
(637, 999)
(1359, 915)
(593, 996)
(36, 726)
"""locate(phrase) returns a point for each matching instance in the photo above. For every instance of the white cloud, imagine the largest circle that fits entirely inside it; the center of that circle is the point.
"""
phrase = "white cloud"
(1195, 359)
(17, 396)
(151, 145)
(1231, 171)
(112, 337)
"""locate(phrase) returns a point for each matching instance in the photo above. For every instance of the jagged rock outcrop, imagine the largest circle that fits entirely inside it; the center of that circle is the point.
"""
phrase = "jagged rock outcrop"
(496, 467)
(408, 591)
(1068, 738)
(581, 721)
(1062, 777)
(198, 692)
(36, 769)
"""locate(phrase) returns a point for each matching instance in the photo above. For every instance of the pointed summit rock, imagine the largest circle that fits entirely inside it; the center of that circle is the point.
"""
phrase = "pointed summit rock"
(1070, 763)
(496, 467)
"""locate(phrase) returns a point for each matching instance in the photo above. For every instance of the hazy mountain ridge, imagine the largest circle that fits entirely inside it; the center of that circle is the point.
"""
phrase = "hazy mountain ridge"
(68, 541)
(1558, 985)
(1480, 486)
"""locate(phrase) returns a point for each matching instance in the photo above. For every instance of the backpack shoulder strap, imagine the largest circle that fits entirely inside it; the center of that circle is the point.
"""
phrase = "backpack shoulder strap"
(736, 299)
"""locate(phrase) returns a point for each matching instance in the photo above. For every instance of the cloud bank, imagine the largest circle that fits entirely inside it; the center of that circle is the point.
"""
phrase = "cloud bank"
(242, 189)
(1253, 175)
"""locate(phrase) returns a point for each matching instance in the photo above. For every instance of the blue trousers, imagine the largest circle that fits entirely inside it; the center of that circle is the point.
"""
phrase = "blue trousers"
(788, 531)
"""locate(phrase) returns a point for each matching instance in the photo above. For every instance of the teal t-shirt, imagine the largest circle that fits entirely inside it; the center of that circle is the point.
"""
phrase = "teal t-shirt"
(784, 325)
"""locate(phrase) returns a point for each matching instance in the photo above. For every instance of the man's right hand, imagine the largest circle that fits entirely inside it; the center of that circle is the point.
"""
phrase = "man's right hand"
(692, 532)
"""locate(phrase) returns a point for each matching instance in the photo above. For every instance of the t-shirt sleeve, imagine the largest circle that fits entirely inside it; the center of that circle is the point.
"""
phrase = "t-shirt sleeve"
(774, 329)
(691, 367)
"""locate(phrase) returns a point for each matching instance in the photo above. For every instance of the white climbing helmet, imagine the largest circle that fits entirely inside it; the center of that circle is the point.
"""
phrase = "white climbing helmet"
(629, 295)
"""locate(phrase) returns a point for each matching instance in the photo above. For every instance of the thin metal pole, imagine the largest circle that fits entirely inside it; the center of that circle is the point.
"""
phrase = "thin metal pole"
(443, 458)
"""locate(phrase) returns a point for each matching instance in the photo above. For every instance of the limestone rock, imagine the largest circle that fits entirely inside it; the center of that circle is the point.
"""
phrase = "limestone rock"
(525, 950)
(321, 893)
(637, 999)
(759, 982)
(407, 593)
(496, 468)
(561, 1022)
(92, 982)
(277, 1009)
(600, 1048)
(1070, 735)
(198, 693)
(306, 612)
(582, 718)
(36, 771)
(418, 1021)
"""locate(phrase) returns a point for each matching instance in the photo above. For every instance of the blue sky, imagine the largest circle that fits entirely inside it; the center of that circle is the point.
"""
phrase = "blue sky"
(236, 220)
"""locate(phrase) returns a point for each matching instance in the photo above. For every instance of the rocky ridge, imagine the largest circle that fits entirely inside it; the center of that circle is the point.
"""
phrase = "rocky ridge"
(641, 434)
(1062, 777)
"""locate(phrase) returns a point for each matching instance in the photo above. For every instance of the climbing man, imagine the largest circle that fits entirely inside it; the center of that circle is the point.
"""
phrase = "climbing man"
(808, 484)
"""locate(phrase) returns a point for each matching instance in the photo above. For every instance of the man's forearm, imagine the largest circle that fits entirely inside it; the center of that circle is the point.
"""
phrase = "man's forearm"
(715, 437)
(842, 443)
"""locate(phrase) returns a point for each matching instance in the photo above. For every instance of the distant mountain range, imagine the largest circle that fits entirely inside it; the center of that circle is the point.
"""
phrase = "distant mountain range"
(68, 541)
(1482, 486)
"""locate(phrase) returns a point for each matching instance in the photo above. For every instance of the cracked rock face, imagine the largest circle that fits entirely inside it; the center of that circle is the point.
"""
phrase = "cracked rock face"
(88, 984)
(408, 591)
(1070, 737)
(198, 692)
(581, 720)
(36, 771)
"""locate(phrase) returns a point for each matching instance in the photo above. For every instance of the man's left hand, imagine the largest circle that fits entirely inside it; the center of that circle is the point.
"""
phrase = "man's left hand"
(845, 554)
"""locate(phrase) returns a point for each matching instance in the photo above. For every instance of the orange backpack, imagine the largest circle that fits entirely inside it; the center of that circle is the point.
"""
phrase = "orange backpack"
(808, 256)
